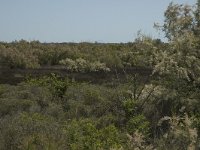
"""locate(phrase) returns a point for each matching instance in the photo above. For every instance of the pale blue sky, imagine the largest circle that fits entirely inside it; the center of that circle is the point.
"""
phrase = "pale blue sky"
(80, 20)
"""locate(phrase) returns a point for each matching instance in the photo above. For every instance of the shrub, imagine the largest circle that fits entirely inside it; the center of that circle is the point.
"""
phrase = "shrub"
(84, 135)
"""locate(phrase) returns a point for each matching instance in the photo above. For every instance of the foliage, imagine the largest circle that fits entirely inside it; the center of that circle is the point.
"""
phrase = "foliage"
(31, 131)
(181, 131)
(81, 65)
(18, 58)
(135, 122)
(86, 56)
(53, 82)
(84, 135)
(126, 110)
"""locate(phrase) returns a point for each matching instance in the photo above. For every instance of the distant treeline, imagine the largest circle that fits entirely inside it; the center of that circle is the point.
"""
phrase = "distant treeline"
(77, 57)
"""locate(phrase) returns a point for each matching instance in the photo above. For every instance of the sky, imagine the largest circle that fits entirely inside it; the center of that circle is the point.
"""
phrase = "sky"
(107, 21)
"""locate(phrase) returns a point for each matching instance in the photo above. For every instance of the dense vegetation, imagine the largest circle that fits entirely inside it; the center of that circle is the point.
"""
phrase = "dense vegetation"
(75, 56)
(159, 112)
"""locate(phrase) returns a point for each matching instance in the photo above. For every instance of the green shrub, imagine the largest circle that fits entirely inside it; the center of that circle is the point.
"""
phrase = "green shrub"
(138, 123)
(54, 83)
(31, 131)
(84, 135)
